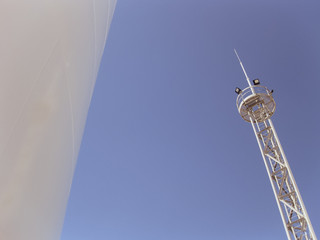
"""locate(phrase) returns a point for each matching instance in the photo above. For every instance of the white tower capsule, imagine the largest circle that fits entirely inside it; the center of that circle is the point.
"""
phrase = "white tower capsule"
(256, 105)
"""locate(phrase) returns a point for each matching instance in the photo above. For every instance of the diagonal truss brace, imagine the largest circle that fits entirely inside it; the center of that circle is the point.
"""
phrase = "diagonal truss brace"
(292, 210)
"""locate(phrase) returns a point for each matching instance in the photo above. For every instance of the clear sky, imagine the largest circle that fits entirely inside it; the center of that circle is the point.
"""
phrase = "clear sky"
(165, 154)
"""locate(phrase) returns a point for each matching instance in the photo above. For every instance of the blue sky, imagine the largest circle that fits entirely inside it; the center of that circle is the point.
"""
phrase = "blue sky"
(165, 154)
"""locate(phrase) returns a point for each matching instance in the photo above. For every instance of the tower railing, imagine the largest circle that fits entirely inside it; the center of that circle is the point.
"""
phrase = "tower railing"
(250, 91)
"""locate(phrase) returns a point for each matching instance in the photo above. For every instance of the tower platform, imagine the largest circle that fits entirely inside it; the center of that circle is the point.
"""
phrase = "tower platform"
(256, 102)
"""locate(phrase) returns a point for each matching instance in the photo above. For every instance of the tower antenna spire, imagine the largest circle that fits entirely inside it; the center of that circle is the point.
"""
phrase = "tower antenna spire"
(244, 71)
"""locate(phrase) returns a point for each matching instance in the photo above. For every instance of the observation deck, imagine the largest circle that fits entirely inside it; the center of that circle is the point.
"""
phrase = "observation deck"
(256, 102)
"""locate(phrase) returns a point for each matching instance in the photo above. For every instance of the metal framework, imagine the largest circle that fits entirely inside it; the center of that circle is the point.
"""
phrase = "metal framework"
(256, 105)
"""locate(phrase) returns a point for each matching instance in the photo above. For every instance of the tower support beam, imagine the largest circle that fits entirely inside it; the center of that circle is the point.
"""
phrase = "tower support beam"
(293, 212)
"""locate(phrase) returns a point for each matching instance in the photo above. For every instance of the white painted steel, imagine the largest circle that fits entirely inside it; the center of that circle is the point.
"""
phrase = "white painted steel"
(244, 71)
(50, 56)
(270, 178)
(249, 96)
(252, 107)
(285, 189)
(294, 182)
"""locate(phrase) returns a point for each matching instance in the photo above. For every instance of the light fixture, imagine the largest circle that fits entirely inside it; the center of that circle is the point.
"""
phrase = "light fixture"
(256, 81)
(238, 90)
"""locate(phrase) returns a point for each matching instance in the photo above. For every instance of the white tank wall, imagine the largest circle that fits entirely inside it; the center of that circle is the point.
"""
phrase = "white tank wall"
(50, 52)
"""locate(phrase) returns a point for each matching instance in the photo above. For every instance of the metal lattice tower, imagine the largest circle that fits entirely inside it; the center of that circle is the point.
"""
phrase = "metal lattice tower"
(256, 105)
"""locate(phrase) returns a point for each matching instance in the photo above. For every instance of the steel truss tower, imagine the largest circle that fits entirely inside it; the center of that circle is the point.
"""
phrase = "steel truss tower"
(256, 105)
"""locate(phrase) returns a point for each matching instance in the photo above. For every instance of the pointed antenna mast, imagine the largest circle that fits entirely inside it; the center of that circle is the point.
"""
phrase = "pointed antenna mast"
(244, 71)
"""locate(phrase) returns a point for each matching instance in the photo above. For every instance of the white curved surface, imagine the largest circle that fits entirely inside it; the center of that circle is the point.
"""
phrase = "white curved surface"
(50, 55)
